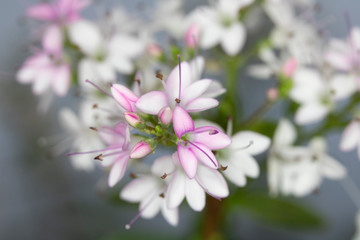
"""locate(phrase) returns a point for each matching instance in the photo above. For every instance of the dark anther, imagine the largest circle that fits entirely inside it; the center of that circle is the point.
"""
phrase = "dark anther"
(162, 195)
(164, 176)
(95, 105)
(177, 100)
(93, 128)
(99, 157)
(222, 168)
(159, 75)
(133, 175)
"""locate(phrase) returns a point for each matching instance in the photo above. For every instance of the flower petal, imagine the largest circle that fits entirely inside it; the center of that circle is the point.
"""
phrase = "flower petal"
(233, 39)
(308, 86)
(152, 102)
(285, 134)
(250, 142)
(124, 97)
(201, 104)
(350, 137)
(187, 160)
(52, 40)
(118, 170)
(138, 189)
(195, 195)
(171, 215)
(310, 113)
(61, 80)
(195, 90)
(212, 182)
(331, 168)
(162, 165)
(173, 81)
(204, 155)
(211, 137)
(182, 121)
(151, 205)
(176, 190)
(42, 11)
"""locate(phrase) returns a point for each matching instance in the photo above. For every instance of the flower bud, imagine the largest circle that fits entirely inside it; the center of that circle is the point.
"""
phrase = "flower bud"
(132, 118)
(140, 150)
(165, 115)
(272, 94)
(124, 97)
(192, 36)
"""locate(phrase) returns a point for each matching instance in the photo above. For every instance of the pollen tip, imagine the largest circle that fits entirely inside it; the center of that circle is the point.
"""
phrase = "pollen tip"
(177, 100)
(95, 105)
(133, 175)
(163, 176)
(162, 195)
(127, 226)
(223, 168)
(93, 128)
(159, 75)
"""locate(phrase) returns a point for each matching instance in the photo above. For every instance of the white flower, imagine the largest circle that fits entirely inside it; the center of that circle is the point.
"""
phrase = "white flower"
(150, 191)
(219, 24)
(357, 233)
(103, 57)
(237, 160)
(317, 94)
(298, 171)
(351, 137)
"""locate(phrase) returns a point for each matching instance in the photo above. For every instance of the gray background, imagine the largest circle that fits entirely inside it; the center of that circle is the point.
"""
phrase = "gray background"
(44, 198)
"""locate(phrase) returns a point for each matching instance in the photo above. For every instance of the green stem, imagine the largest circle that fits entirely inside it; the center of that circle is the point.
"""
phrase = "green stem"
(255, 117)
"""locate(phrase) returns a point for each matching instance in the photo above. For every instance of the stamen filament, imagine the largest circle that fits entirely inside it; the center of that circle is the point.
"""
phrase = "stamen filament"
(179, 77)
(99, 88)
(94, 151)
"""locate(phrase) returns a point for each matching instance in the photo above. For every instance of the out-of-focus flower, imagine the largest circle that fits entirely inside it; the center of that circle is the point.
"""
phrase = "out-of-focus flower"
(219, 24)
(317, 95)
(295, 170)
(59, 12)
(351, 137)
(49, 67)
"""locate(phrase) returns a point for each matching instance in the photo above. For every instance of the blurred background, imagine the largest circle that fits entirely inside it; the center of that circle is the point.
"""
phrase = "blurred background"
(42, 197)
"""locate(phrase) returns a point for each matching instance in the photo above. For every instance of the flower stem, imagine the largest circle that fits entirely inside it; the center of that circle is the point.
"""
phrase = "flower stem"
(213, 219)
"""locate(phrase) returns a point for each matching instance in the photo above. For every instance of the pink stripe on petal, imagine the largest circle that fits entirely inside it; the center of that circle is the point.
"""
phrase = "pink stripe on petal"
(204, 155)
(187, 160)
(140, 150)
(124, 96)
(182, 121)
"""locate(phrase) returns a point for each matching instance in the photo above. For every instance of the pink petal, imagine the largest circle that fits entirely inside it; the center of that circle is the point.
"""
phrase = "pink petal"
(61, 80)
(211, 137)
(42, 11)
(173, 81)
(132, 118)
(124, 97)
(201, 104)
(138, 189)
(182, 121)
(52, 40)
(204, 155)
(165, 115)
(187, 160)
(152, 102)
(192, 36)
(117, 170)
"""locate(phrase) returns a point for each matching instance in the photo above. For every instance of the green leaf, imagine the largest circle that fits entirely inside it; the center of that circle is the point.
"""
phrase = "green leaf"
(280, 211)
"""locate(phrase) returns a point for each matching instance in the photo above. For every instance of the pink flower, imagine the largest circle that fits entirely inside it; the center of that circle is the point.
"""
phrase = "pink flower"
(47, 68)
(179, 88)
(124, 97)
(196, 143)
(61, 11)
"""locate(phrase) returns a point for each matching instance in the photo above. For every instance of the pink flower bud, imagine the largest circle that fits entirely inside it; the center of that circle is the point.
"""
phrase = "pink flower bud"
(132, 118)
(289, 67)
(192, 36)
(154, 50)
(140, 150)
(124, 97)
(272, 94)
(165, 115)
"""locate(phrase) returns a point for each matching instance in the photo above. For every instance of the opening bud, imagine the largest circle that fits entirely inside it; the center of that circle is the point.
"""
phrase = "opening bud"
(124, 97)
(165, 115)
(140, 150)
(289, 67)
(132, 118)
(192, 35)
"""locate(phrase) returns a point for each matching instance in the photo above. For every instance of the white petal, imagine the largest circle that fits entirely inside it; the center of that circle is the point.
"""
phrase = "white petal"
(122, 64)
(243, 163)
(138, 189)
(152, 102)
(331, 168)
(197, 67)
(285, 134)
(195, 90)
(42, 81)
(105, 71)
(87, 36)
(250, 142)
(127, 46)
(308, 86)
(173, 80)
(176, 190)
(195, 195)
(201, 104)
(69, 121)
(350, 137)
(310, 113)
(343, 86)
(212, 182)
(260, 71)
(210, 35)
(233, 39)
(118, 170)
(215, 89)
(151, 205)
(171, 215)
(162, 165)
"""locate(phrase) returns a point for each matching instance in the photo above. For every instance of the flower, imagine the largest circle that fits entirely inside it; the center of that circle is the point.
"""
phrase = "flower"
(317, 96)
(219, 24)
(351, 137)
(295, 170)
(196, 143)
(150, 191)
(60, 11)
(206, 181)
(190, 95)
(237, 160)
(47, 68)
